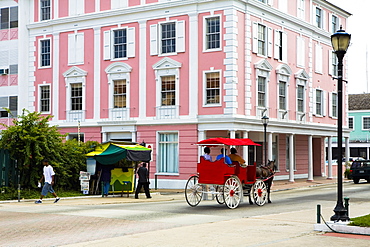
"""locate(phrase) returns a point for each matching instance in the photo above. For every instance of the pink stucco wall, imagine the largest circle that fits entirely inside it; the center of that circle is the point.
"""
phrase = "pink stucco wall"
(90, 133)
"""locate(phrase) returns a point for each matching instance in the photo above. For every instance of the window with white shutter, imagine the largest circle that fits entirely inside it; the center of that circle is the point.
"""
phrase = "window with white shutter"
(76, 7)
(301, 51)
(167, 38)
(262, 39)
(76, 48)
(318, 60)
(119, 43)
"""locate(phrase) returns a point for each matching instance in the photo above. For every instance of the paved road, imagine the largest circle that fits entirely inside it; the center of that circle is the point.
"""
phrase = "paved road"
(169, 221)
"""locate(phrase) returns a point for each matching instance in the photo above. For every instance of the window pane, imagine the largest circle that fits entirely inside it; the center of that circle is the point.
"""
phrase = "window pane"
(213, 33)
(119, 94)
(300, 99)
(76, 96)
(261, 91)
(168, 37)
(168, 90)
(213, 88)
(45, 52)
(45, 9)
(45, 98)
(4, 18)
(120, 43)
(366, 123)
(168, 153)
(13, 17)
(282, 95)
(318, 102)
(261, 39)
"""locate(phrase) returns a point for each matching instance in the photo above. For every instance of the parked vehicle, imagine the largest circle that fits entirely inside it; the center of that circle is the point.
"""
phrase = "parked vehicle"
(360, 169)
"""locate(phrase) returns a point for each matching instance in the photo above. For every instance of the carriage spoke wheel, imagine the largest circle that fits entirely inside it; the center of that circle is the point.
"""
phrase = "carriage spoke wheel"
(259, 192)
(220, 194)
(232, 192)
(193, 191)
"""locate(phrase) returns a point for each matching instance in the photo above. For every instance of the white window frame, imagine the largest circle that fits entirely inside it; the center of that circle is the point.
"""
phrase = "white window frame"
(176, 173)
(301, 80)
(50, 11)
(205, 25)
(333, 27)
(353, 122)
(333, 63)
(118, 71)
(333, 108)
(40, 50)
(76, 7)
(301, 52)
(263, 69)
(363, 125)
(268, 40)
(321, 24)
(75, 75)
(205, 88)
(76, 51)
(108, 43)
(40, 98)
(281, 46)
(283, 73)
(322, 102)
(156, 38)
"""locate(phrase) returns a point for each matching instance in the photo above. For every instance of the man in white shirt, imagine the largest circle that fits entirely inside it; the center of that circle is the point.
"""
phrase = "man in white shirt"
(48, 176)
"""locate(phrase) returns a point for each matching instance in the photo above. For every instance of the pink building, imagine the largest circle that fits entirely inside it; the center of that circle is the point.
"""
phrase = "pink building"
(172, 72)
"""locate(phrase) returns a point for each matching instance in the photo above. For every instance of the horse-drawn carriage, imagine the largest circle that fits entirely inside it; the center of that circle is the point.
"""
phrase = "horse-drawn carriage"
(229, 183)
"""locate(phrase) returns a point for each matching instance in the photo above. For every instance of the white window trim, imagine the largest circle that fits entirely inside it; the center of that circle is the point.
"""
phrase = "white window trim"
(39, 97)
(51, 11)
(156, 38)
(301, 10)
(116, 4)
(322, 17)
(263, 69)
(268, 41)
(283, 73)
(323, 105)
(75, 75)
(362, 123)
(108, 39)
(157, 151)
(205, 31)
(76, 54)
(167, 67)
(205, 87)
(118, 71)
(76, 7)
(51, 53)
(301, 80)
(331, 115)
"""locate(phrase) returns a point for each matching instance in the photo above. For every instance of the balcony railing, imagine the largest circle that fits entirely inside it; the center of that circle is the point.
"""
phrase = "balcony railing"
(167, 112)
(119, 114)
(75, 116)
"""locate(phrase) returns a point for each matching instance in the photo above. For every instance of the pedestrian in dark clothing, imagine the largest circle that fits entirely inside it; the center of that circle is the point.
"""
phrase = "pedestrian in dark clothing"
(105, 178)
(143, 181)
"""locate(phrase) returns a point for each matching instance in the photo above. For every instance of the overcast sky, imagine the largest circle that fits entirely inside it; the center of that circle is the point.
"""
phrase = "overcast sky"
(358, 27)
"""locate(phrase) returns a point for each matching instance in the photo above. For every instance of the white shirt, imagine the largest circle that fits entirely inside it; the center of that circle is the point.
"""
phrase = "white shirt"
(48, 173)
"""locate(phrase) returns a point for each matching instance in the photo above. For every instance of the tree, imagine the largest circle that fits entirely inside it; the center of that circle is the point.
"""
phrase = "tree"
(30, 139)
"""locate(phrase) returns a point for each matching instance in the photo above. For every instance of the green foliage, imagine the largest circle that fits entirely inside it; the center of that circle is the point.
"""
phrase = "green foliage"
(363, 221)
(31, 139)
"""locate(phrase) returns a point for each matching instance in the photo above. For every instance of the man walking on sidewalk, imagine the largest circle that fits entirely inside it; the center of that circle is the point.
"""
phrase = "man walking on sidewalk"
(143, 181)
(48, 176)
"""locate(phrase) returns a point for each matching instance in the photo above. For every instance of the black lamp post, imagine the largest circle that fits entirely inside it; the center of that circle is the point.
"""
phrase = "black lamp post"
(340, 42)
(265, 121)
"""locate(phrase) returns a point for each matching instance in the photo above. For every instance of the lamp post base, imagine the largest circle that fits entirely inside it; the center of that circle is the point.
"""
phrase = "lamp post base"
(340, 213)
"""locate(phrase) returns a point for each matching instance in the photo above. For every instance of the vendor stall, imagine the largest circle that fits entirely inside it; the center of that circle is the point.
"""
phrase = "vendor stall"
(123, 158)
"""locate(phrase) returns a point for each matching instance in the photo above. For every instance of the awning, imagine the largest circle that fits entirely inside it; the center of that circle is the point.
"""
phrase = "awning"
(228, 142)
(116, 152)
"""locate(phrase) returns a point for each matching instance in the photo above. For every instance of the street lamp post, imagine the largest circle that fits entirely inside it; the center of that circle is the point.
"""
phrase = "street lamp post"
(265, 121)
(340, 42)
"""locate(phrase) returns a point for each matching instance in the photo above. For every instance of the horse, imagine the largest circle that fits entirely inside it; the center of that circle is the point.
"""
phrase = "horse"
(267, 172)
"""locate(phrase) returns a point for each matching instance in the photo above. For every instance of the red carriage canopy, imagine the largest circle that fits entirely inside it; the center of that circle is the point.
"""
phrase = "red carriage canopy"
(228, 142)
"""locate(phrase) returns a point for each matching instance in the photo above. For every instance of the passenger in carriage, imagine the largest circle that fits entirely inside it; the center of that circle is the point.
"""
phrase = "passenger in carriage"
(222, 155)
(235, 157)
(206, 154)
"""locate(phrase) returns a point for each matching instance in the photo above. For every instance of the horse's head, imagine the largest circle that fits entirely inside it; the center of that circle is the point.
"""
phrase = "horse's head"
(271, 165)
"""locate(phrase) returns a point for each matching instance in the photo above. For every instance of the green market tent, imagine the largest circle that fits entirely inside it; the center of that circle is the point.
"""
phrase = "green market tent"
(113, 152)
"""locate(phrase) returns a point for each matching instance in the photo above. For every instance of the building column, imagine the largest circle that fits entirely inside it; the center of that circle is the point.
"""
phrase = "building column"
(310, 159)
(330, 158)
(269, 146)
(346, 148)
(291, 158)
(133, 136)
(246, 149)
(201, 136)
(104, 136)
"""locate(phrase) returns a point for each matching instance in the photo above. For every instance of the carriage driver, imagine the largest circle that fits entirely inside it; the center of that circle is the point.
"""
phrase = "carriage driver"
(234, 157)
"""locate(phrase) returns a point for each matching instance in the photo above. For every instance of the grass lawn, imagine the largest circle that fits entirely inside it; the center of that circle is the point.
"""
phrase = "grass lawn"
(361, 221)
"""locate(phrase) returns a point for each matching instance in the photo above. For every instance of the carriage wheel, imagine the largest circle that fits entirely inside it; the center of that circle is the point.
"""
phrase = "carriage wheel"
(220, 194)
(193, 191)
(259, 192)
(232, 192)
